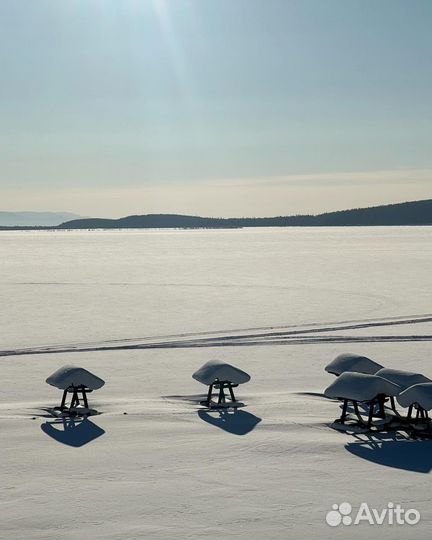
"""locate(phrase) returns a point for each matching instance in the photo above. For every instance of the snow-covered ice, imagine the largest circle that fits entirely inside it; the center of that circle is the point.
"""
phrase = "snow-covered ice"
(144, 310)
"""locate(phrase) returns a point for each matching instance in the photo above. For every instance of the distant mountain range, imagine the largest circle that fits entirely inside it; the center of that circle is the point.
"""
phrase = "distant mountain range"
(29, 219)
(408, 213)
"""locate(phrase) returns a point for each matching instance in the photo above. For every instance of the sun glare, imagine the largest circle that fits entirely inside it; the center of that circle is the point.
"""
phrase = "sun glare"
(174, 47)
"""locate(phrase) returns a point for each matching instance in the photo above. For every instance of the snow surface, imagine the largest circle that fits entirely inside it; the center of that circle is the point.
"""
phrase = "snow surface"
(144, 310)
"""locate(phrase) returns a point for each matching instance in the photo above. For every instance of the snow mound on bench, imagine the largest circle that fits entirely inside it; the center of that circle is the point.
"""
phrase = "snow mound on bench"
(352, 362)
(402, 378)
(419, 393)
(215, 369)
(360, 387)
(74, 376)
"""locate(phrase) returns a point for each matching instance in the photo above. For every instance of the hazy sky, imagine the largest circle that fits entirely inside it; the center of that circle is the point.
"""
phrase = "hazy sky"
(215, 107)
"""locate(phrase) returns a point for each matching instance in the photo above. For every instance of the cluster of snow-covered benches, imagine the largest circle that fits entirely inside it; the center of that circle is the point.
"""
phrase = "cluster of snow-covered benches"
(364, 386)
(361, 381)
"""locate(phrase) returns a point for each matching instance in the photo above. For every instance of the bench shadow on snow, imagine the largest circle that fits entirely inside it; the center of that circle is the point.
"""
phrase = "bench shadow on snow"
(234, 421)
(74, 432)
(394, 451)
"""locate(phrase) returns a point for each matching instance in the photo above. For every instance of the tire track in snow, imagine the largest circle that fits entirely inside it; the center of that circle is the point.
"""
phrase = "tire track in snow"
(292, 335)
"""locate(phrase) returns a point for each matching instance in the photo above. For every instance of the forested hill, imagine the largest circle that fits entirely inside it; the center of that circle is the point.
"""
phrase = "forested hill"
(408, 213)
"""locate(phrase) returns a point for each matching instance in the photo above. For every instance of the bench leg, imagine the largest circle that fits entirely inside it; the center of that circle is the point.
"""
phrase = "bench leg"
(357, 412)
(381, 411)
(231, 391)
(63, 401)
(410, 408)
(75, 399)
(371, 410)
(209, 394)
(368, 424)
(428, 423)
(84, 395)
(221, 394)
(393, 405)
(344, 411)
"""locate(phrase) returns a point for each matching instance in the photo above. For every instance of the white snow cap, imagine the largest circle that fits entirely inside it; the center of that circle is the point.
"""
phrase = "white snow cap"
(360, 387)
(352, 362)
(402, 378)
(215, 369)
(419, 393)
(74, 376)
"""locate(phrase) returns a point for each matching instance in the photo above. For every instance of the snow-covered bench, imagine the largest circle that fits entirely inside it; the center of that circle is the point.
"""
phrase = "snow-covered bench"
(361, 380)
(222, 376)
(75, 380)
(367, 389)
(418, 397)
(404, 379)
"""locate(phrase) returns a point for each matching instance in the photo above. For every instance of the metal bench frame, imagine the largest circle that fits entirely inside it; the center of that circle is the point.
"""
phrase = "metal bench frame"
(75, 400)
(221, 386)
(377, 401)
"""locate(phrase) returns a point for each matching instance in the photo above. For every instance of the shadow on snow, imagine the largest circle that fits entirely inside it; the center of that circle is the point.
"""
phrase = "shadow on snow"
(234, 421)
(394, 451)
(74, 432)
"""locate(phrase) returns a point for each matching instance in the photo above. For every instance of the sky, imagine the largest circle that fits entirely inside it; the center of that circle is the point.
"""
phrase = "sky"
(214, 107)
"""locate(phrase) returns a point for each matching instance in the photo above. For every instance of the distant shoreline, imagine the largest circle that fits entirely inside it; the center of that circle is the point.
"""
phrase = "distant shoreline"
(89, 229)
(415, 213)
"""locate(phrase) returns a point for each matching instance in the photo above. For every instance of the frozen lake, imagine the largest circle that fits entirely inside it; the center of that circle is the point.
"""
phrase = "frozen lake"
(71, 287)
(144, 310)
